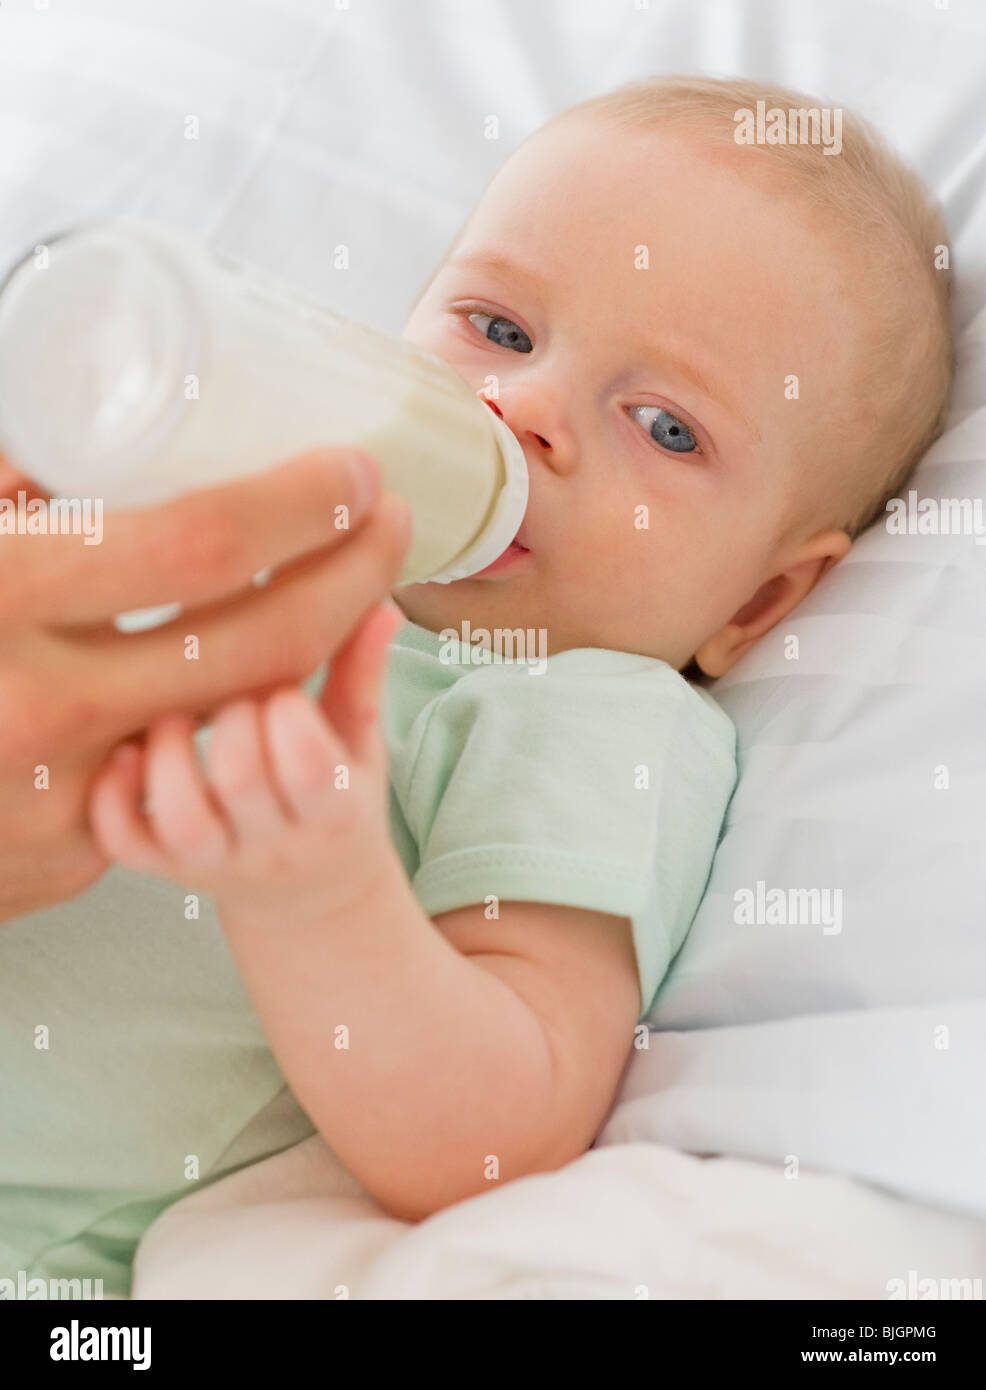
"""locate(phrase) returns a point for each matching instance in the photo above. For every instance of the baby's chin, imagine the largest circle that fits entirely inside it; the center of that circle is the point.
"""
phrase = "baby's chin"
(500, 604)
(506, 601)
(435, 606)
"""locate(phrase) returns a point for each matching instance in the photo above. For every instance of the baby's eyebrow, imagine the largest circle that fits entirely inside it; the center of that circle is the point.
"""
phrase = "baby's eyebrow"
(503, 265)
(705, 382)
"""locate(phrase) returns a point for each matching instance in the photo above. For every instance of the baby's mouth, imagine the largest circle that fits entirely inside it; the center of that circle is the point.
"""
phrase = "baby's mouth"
(514, 556)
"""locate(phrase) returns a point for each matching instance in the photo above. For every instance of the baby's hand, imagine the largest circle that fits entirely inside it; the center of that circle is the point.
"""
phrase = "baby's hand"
(291, 815)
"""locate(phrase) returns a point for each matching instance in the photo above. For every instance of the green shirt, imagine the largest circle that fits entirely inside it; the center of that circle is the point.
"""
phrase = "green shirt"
(133, 1067)
(595, 779)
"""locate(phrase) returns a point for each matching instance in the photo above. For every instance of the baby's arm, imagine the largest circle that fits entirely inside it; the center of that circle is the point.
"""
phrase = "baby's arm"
(436, 1058)
(472, 1054)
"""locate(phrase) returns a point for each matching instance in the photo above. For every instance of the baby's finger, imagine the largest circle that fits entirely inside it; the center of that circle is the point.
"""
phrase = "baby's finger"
(305, 754)
(239, 773)
(187, 823)
(118, 826)
(352, 694)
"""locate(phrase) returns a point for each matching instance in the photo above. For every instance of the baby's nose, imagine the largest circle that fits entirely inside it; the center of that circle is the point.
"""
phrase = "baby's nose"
(497, 411)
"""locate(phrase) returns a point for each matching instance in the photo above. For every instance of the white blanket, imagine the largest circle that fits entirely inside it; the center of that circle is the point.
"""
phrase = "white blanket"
(630, 1221)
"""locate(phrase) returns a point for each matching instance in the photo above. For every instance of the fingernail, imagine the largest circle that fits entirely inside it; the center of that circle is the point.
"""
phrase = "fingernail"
(366, 478)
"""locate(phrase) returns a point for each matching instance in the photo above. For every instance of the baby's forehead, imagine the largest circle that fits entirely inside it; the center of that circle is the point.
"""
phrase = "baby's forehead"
(581, 169)
(581, 197)
(680, 213)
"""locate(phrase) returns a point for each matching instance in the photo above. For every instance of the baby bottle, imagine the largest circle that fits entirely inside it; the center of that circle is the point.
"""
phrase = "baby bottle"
(135, 364)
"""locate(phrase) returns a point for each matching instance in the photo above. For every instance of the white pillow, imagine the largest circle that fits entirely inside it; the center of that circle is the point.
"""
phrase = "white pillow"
(857, 1043)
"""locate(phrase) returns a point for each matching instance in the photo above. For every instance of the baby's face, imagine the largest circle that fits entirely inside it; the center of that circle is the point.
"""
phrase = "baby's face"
(643, 307)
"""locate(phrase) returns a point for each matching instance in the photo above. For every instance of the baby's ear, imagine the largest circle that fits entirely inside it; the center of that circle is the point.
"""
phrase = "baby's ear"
(773, 600)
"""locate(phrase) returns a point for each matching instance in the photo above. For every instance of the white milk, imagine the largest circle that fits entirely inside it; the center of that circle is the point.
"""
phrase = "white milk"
(136, 365)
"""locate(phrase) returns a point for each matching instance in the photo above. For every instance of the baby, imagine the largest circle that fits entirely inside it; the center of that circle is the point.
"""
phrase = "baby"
(452, 888)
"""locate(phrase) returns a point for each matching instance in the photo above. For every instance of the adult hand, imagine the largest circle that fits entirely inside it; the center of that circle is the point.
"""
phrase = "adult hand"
(72, 686)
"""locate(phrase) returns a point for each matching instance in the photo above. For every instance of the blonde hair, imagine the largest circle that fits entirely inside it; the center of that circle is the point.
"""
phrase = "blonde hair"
(909, 377)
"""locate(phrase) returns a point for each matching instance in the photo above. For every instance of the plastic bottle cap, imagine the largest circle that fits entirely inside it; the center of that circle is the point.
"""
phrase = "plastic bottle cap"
(95, 346)
(508, 512)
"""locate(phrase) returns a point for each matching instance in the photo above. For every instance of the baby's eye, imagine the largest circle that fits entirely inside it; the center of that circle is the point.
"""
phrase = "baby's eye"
(504, 332)
(666, 429)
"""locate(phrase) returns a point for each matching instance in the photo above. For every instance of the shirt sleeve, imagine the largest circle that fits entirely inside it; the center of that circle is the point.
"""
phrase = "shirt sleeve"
(600, 781)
